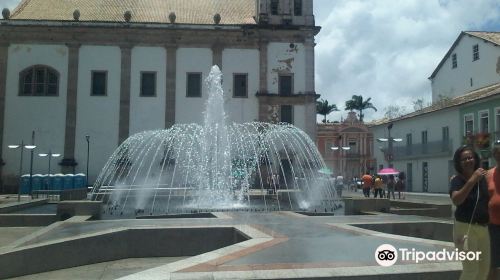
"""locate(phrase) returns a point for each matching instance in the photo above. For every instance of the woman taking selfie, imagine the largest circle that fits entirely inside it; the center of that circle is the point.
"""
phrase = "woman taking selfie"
(469, 193)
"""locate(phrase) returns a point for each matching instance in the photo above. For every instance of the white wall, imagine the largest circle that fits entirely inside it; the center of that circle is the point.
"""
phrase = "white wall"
(97, 116)
(241, 110)
(190, 110)
(281, 58)
(147, 113)
(23, 114)
(453, 82)
(433, 123)
(299, 111)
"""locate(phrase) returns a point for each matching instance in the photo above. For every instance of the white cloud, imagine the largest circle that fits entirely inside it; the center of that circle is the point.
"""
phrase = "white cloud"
(385, 49)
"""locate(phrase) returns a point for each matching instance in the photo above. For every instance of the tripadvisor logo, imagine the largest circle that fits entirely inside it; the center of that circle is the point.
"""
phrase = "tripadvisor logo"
(387, 255)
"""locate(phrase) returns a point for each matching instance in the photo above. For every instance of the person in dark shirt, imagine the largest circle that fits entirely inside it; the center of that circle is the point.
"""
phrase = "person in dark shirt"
(469, 193)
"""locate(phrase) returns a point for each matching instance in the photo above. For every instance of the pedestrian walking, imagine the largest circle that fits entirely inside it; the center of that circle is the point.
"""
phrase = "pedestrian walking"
(391, 183)
(378, 186)
(400, 187)
(367, 184)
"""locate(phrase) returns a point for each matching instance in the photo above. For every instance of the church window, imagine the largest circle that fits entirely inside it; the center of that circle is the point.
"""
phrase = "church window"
(286, 115)
(38, 80)
(99, 83)
(285, 85)
(148, 84)
(193, 87)
(275, 7)
(297, 7)
(240, 85)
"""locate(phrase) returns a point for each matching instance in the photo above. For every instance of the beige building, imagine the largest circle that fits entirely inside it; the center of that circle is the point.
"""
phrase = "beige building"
(109, 69)
(346, 147)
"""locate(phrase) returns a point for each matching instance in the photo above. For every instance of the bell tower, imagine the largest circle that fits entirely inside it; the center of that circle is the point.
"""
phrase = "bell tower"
(284, 12)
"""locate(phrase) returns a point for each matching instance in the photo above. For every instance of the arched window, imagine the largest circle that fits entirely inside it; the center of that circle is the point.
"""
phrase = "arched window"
(38, 80)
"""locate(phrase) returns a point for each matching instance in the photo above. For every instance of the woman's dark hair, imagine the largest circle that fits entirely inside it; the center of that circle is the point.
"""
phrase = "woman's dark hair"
(391, 177)
(457, 159)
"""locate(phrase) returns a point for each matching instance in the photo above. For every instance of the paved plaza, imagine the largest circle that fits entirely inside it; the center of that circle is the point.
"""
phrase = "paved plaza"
(276, 245)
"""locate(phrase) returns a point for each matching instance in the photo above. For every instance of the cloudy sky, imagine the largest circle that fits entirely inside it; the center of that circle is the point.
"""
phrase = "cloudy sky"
(386, 49)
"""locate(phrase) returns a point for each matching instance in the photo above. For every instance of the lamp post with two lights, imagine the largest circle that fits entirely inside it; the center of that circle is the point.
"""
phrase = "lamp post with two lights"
(22, 146)
(340, 148)
(50, 155)
(390, 140)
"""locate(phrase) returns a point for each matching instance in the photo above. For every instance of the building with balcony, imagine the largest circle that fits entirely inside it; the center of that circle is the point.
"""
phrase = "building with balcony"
(465, 110)
(346, 147)
(109, 69)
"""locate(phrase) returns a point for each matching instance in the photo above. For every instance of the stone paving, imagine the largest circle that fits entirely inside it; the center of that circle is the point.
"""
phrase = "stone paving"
(285, 245)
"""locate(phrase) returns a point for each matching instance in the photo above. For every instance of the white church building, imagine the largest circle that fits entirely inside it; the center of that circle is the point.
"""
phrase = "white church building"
(109, 69)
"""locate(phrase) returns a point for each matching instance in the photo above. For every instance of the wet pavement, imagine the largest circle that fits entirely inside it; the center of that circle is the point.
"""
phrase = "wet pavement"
(299, 245)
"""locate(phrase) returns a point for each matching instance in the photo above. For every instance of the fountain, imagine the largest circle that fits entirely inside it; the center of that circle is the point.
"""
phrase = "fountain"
(217, 166)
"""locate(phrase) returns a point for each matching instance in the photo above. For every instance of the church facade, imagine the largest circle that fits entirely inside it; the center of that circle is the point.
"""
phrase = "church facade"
(86, 74)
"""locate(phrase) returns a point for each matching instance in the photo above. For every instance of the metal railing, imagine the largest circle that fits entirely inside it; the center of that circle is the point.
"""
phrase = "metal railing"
(421, 150)
(61, 195)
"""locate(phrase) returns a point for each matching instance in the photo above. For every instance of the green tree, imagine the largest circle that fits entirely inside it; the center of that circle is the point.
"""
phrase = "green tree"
(357, 103)
(323, 108)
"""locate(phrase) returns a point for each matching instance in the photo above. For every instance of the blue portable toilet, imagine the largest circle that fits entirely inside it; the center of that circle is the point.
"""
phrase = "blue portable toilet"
(57, 182)
(68, 181)
(37, 182)
(45, 182)
(25, 184)
(50, 182)
(80, 180)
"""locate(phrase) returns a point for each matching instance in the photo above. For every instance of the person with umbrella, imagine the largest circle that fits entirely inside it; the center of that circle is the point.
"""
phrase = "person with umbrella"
(390, 187)
(400, 186)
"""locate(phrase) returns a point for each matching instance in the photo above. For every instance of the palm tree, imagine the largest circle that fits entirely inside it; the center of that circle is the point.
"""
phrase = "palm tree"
(323, 108)
(357, 103)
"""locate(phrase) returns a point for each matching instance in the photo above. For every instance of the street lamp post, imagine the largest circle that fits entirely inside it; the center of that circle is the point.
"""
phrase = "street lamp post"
(390, 141)
(87, 137)
(31, 161)
(339, 147)
(21, 146)
(49, 155)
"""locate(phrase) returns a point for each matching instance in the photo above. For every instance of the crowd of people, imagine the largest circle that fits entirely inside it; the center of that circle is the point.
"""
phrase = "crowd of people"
(382, 186)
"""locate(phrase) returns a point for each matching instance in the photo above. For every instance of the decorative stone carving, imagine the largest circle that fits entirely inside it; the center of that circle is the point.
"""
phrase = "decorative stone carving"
(217, 18)
(6, 13)
(273, 113)
(76, 15)
(127, 16)
(172, 17)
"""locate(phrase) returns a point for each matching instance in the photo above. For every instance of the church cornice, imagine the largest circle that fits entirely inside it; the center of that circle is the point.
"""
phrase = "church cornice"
(240, 36)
